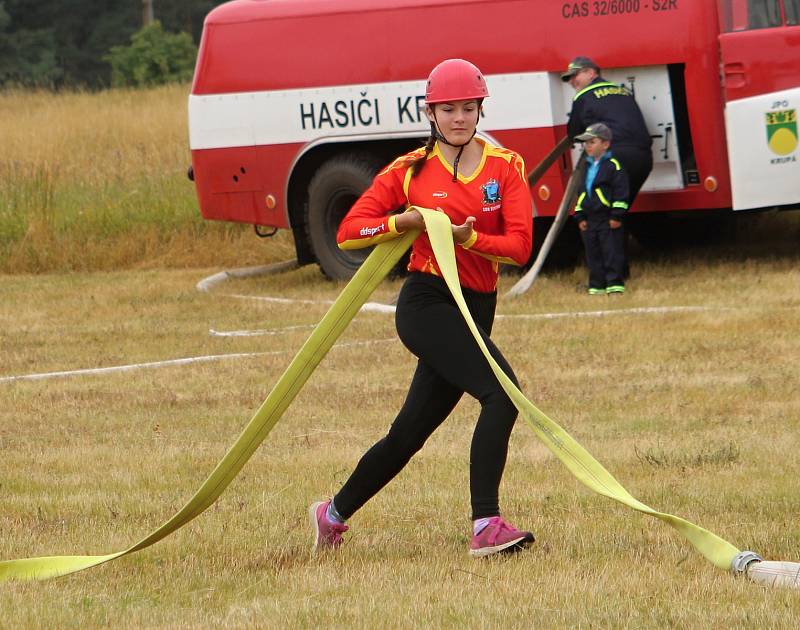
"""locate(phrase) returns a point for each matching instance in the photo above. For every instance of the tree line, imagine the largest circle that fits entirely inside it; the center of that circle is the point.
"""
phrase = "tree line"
(95, 43)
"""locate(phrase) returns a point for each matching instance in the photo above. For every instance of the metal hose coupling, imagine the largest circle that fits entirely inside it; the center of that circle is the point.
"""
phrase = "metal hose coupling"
(742, 560)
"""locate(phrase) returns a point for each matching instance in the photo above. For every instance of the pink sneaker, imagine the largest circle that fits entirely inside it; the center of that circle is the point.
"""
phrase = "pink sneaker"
(327, 533)
(498, 537)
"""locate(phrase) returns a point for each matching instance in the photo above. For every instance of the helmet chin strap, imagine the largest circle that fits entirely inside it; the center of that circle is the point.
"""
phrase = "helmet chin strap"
(436, 132)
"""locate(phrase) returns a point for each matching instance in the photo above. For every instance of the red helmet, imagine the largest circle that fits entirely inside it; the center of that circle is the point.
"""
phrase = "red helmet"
(455, 80)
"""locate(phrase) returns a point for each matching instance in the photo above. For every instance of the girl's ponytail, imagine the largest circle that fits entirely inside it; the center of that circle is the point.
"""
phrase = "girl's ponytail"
(418, 163)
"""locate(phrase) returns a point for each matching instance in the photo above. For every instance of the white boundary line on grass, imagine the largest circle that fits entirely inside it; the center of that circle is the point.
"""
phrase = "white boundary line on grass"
(367, 307)
(211, 281)
(170, 362)
(258, 332)
(639, 310)
(206, 284)
(643, 310)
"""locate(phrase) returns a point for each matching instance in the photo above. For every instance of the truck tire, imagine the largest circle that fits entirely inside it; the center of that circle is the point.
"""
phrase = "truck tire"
(331, 192)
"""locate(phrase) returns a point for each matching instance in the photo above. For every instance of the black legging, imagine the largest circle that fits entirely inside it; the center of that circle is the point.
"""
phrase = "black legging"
(450, 363)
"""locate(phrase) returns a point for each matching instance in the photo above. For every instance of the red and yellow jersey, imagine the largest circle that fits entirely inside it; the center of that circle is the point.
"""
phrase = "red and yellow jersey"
(496, 194)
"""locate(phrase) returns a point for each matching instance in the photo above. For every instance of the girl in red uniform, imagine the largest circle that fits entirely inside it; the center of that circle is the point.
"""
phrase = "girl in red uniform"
(484, 192)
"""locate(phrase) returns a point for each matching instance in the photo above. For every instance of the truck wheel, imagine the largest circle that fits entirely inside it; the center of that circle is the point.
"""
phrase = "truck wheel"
(332, 191)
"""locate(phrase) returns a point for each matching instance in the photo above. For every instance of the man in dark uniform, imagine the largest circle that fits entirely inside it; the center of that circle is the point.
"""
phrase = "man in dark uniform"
(597, 100)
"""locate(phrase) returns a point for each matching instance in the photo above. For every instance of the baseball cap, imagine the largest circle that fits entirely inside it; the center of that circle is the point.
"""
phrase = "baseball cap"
(597, 130)
(576, 65)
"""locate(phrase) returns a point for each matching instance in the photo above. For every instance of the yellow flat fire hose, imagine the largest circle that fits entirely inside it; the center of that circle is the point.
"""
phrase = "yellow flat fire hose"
(368, 277)
(588, 470)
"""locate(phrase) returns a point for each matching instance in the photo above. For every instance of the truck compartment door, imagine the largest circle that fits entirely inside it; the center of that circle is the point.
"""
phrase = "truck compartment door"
(761, 83)
(651, 88)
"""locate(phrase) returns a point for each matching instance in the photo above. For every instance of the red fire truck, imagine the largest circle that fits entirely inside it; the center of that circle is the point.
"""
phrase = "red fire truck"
(295, 104)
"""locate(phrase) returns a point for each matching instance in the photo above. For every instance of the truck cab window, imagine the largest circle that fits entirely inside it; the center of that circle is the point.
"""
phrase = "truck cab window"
(791, 10)
(763, 13)
(743, 15)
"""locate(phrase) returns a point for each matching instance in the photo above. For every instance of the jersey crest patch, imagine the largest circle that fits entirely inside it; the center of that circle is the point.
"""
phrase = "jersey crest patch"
(491, 192)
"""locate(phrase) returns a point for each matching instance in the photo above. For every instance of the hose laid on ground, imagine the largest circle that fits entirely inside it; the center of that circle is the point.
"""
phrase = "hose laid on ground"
(585, 468)
(371, 273)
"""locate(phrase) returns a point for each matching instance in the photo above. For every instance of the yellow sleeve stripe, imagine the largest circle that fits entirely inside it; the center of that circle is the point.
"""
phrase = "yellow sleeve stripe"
(497, 152)
(403, 160)
(407, 182)
(495, 259)
(512, 157)
(498, 259)
(519, 164)
(616, 163)
(470, 241)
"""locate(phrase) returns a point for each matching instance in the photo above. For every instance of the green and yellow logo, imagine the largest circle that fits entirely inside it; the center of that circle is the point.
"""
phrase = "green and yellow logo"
(782, 131)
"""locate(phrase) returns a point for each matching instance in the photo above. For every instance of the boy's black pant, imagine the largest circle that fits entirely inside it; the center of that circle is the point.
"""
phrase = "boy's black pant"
(605, 255)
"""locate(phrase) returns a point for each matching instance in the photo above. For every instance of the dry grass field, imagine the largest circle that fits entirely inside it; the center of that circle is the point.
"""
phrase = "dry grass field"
(696, 412)
(94, 181)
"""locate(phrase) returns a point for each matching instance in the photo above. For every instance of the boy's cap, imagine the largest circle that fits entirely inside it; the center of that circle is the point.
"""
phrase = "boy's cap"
(597, 130)
(576, 65)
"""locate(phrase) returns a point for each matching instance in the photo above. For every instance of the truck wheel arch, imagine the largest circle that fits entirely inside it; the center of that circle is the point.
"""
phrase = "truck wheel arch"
(359, 162)
(333, 189)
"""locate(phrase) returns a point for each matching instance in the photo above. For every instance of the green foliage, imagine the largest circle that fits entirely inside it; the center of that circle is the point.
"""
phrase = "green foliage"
(185, 15)
(53, 43)
(154, 57)
(27, 57)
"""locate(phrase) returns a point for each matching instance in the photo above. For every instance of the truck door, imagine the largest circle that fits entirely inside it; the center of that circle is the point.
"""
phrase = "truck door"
(651, 88)
(760, 46)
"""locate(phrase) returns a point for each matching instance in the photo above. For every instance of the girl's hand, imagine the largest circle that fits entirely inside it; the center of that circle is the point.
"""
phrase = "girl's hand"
(411, 220)
(462, 233)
